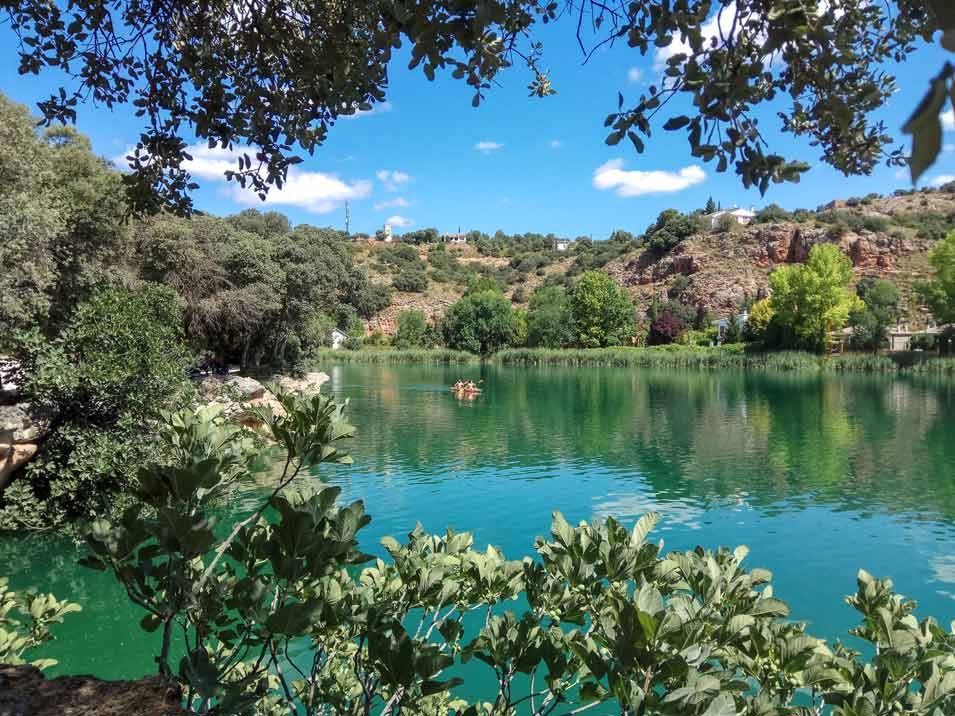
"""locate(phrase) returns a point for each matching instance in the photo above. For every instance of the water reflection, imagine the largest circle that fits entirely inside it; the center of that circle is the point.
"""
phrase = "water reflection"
(854, 442)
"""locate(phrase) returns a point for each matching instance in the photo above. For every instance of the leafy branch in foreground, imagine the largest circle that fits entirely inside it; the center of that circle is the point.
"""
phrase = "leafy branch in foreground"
(278, 617)
(32, 627)
(267, 79)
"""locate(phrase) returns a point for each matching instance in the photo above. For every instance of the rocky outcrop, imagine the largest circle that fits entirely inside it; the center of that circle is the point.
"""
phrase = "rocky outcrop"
(24, 691)
(239, 395)
(776, 244)
(308, 383)
(725, 268)
(21, 429)
(234, 386)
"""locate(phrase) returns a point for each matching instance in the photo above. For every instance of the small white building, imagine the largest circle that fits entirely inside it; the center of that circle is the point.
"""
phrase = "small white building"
(743, 216)
(722, 326)
(900, 338)
(388, 237)
(337, 338)
(457, 238)
(563, 244)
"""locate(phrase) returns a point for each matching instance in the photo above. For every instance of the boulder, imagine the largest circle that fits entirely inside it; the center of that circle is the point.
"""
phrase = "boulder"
(309, 383)
(237, 386)
(25, 691)
(246, 419)
(20, 423)
(12, 458)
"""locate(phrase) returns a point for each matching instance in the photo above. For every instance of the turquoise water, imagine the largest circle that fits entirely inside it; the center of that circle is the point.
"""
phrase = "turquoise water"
(819, 475)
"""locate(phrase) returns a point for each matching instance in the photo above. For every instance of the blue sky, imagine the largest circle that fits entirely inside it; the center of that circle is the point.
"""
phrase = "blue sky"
(427, 158)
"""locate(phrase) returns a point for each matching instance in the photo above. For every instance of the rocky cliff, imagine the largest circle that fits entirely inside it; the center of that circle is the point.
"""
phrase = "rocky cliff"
(723, 269)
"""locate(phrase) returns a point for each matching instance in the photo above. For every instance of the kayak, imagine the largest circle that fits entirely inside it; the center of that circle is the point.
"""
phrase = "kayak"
(465, 391)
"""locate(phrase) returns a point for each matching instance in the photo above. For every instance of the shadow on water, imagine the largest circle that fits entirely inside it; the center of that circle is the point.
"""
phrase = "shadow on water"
(819, 474)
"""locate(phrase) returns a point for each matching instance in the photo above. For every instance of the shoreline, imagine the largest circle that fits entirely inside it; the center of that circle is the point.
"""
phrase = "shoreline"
(662, 357)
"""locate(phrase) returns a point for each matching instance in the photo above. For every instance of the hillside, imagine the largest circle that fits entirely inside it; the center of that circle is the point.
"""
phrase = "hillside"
(888, 237)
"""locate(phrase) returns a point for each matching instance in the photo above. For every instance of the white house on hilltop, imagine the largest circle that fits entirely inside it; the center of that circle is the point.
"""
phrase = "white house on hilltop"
(388, 237)
(457, 238)
(743, 216)
(562, 244)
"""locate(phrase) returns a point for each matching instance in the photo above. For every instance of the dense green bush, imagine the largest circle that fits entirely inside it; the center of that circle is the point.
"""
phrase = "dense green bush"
(399, 257)
(410, 281)
(481, 322)
(118, 361)
(602, 312)
(414, 331)
(772, 214)
(844, 220)
(880, 309)
(939, 293)
(931, 225)
(811, 300)
(549, 319)
(671, 227)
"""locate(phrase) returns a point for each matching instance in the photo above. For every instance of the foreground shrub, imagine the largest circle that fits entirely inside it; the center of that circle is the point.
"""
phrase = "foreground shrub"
(102, 382)
(600, 615)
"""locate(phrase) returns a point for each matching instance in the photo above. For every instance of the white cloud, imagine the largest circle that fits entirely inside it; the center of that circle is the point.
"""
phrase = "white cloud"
(392, 179)
(379, 108)
(316, 192)
(903, 173)
(556, 144)
(213, 163)
(948, 148)
(313, 191)
(942, 180)
(398, 203)
(948, 120)
(710, 29)
(487, 146)
(720, 26)
(634, 74)
(612, 176)
(398, 220)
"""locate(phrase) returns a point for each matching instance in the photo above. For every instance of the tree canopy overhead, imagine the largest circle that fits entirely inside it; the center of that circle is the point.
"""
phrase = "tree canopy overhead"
(275, 75)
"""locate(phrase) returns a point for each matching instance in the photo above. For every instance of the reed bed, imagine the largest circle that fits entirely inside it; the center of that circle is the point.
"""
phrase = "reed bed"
(672, 356)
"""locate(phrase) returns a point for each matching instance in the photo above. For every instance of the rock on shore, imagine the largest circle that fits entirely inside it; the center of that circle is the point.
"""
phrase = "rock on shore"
(21, 429)
(24, 691)
(236, 394)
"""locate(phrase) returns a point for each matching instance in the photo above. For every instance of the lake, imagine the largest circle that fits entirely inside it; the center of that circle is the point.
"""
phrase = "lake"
(818, 474)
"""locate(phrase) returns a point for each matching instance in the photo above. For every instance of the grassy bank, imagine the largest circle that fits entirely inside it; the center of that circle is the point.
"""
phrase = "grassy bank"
(672, 356)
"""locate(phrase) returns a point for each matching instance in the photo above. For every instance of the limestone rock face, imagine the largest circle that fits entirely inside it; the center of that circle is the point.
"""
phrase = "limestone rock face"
(724, 269)
(24, 691)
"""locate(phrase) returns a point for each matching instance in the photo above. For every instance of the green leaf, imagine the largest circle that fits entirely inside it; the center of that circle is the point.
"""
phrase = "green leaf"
(643, 527)
(675, 123)
(429, 687)
(925, 126)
